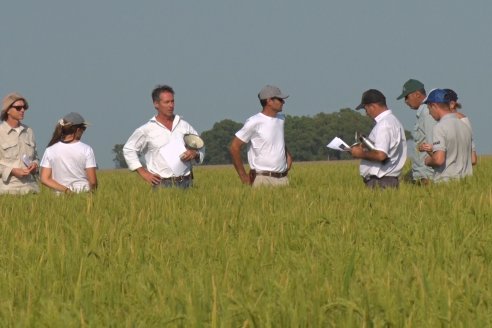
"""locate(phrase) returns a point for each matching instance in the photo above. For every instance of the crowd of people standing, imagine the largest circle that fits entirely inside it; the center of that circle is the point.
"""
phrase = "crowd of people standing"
(443, 136)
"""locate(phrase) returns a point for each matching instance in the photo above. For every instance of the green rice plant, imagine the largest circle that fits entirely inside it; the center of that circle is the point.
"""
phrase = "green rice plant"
(322, 252)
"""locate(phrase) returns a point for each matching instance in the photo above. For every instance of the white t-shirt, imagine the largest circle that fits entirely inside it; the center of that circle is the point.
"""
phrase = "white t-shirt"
(467, 122)
(68, 162)
(266, 143)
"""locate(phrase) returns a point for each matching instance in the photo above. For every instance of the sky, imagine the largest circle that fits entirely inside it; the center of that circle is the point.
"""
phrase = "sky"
(103, 58)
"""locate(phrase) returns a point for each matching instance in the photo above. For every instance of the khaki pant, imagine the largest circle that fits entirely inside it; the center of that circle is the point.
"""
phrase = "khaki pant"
(261, 180)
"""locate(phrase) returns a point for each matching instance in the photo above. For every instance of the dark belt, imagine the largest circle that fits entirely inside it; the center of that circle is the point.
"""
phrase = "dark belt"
(177, 179)
(272, 174)
(375, 177)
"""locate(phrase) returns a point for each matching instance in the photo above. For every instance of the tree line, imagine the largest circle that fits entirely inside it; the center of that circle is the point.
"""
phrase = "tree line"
(306, 137)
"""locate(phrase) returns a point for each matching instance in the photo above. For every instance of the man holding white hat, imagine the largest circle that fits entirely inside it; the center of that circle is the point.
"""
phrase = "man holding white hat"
(268, 157)
(161, 141)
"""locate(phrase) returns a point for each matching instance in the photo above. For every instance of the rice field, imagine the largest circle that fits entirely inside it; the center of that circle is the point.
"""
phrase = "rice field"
(323, 252)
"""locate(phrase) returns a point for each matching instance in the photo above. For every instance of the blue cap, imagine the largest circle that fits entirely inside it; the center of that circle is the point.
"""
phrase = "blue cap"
(437, 96)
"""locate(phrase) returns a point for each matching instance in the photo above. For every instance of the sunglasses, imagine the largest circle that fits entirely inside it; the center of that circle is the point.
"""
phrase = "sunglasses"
(18, 108)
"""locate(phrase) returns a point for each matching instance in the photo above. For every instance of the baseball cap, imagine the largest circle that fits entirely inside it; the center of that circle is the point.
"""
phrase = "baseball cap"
(270, 91)
(437, 96)
(410, 86)
(73, 119)
(371, 96)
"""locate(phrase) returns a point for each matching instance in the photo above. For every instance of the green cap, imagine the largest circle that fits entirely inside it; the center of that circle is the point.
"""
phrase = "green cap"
(409, 87)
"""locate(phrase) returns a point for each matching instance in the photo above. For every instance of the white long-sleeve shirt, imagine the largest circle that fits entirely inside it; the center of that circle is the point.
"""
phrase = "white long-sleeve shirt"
(149, 139)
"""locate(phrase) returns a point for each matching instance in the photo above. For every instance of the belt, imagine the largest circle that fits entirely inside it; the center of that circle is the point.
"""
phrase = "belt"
(272, 174)
(181, 178)
(375, 177)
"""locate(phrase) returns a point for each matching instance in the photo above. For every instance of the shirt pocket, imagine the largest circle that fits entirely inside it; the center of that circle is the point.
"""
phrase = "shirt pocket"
(29, 148)
(10, 150)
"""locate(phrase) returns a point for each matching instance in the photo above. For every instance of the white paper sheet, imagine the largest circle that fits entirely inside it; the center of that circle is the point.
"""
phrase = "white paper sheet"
(171, 152)
(338, 144)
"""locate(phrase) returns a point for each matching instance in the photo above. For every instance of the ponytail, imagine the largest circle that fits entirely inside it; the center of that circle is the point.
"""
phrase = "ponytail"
(57, 135)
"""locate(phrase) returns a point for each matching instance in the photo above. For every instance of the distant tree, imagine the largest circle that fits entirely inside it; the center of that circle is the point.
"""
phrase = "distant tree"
(217, 142)
(119, 159)
(307, 137)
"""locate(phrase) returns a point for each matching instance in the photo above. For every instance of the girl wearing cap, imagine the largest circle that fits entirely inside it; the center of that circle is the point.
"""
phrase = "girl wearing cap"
(68, 164)
(18, 156)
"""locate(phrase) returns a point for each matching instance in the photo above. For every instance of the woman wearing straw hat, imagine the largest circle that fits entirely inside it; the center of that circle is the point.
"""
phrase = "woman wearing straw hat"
(68, 164)
(18, 156)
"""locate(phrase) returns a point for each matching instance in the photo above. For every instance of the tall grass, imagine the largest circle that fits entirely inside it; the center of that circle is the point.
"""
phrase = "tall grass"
(324, 251)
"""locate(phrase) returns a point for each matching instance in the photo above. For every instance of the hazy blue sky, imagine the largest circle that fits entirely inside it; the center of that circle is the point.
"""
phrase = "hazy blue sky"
(102, 58)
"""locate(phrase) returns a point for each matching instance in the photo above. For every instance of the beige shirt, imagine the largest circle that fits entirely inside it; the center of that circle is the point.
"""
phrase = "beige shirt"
(17, 148)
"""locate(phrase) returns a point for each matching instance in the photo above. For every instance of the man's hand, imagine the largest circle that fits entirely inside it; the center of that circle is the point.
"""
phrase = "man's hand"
(33, 168)
(151, 178)
(189, 155)
(425, 147)
(20, 173)
(245, 179)
(357, 151)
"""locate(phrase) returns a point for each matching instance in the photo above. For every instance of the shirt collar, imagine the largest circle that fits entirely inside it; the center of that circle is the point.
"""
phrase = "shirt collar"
(382, 115)
(176, 120)
(5, 127)
(449, 116)
(421, 108)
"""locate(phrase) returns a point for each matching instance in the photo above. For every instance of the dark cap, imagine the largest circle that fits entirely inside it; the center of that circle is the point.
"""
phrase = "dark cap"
(409, 87)
(371, 96)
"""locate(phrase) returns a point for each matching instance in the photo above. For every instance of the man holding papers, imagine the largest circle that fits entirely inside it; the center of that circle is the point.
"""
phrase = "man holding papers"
(161, 142)
(382, 165)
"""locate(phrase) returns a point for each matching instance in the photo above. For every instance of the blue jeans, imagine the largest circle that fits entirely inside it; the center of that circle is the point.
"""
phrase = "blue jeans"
(179, 182)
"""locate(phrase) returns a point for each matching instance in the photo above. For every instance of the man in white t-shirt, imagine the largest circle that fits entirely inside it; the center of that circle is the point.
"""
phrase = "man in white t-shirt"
(268, 157)
(381, 166)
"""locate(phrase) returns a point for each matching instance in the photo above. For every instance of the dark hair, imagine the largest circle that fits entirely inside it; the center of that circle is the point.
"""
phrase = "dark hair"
(64, 130)
(160, 89)
(422, 91)
(263, 102)
(451, 95)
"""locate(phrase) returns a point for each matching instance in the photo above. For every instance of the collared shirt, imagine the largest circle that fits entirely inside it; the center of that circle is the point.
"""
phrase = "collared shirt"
(148, 141)
(422, 133)
(16, 144)
(454, 138)
(388, 136)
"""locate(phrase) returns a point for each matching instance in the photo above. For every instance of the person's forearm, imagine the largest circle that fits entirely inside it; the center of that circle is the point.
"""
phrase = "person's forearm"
(54, 185)
(373, 155)
(238, 165)
(431, 161)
